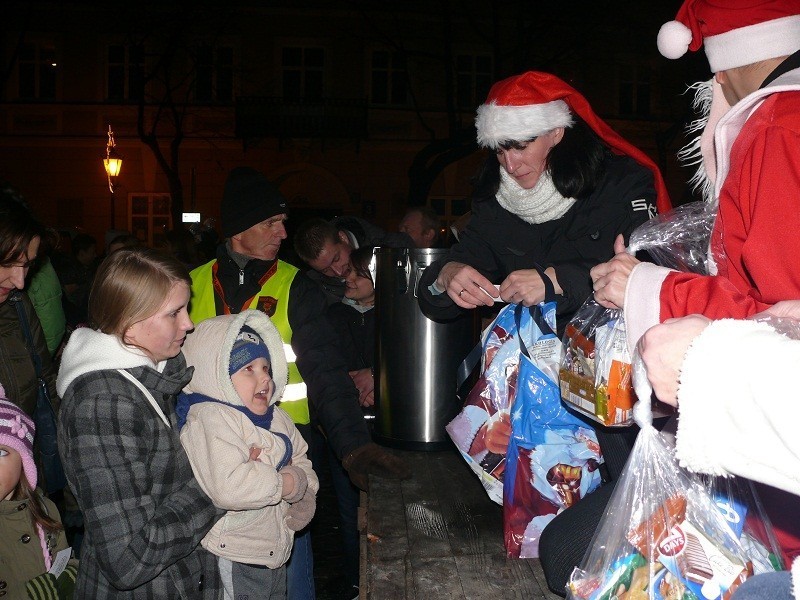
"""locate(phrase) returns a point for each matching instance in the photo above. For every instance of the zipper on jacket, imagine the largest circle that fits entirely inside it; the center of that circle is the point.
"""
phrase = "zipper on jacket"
(241, 276)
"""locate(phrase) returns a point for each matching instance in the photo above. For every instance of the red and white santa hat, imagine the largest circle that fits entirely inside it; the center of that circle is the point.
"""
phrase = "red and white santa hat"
(528, 105)
(735, 32)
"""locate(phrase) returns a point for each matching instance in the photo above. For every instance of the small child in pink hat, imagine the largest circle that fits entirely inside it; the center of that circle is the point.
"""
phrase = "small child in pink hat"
(31, 534)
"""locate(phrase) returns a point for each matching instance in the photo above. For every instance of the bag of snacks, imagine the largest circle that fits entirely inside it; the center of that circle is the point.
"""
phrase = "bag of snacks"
(666, 534)
(552, 462)
(482, 429)
(595, 373)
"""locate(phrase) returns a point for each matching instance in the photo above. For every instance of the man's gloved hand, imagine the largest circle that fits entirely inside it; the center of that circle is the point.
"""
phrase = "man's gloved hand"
(371, 459)
(301, 512)
(300, 481)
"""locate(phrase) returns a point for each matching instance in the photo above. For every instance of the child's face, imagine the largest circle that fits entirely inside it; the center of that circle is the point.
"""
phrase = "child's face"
(359, 288)
(10, 471)
(254, 385)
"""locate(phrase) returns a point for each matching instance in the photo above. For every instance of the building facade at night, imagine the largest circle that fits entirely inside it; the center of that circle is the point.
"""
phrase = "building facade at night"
(351, 107)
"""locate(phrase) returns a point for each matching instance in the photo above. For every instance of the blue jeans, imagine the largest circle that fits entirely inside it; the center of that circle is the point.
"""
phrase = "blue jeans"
(769, 586)
(300, 569)
(347, 499)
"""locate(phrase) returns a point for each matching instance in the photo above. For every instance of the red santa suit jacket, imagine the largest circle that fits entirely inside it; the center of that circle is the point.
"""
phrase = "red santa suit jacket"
(755, 243)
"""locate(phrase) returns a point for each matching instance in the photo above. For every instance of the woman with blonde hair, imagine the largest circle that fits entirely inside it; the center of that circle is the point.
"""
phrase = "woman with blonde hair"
(144, 512)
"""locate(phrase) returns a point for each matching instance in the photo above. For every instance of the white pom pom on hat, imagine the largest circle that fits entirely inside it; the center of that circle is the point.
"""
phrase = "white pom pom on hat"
(673, 39)
(734, 32)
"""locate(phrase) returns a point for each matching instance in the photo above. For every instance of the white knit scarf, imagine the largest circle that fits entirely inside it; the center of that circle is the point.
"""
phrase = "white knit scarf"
(539, 204)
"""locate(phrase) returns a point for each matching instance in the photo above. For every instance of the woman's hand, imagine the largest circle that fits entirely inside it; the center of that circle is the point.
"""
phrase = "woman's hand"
(663, 349)
(526, 286)
(610, 279)
(465, 286)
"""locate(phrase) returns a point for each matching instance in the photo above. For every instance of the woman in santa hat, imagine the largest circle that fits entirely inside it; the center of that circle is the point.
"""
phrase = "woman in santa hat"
(549, 202)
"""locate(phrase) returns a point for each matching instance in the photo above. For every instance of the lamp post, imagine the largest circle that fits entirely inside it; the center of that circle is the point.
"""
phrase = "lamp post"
(113, 165)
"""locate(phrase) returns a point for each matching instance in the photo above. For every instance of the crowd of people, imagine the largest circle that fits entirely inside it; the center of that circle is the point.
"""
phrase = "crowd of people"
(196, 399)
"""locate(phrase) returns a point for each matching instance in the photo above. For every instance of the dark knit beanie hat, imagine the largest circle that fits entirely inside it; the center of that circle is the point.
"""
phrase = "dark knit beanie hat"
(248, 199)
(247, 347)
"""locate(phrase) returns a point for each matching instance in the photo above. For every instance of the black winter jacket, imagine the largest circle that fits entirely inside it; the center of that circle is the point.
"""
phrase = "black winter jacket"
(497, 242)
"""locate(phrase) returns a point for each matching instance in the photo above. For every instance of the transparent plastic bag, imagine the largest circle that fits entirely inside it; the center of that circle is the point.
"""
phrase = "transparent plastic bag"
(678, 239)
(738, 502)
(661, 536)
(595, 371)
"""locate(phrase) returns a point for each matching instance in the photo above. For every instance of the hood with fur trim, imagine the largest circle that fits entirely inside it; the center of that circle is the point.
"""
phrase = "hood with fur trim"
(208, 349)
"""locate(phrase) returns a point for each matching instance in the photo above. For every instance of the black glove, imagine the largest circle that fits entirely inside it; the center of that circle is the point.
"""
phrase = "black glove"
(371, 459)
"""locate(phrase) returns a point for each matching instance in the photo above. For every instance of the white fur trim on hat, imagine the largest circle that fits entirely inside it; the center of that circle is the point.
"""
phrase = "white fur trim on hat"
(673, 39)
(754, 43)
(497, 124)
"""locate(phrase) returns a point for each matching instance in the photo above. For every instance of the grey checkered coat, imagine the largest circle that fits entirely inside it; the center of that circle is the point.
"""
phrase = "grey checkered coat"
(144, 512)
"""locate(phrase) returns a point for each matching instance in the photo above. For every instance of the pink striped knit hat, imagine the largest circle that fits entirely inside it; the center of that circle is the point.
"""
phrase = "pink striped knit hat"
(17, 431)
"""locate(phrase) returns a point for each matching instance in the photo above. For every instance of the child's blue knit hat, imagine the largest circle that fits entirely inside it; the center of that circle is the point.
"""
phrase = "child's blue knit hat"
(247, 347)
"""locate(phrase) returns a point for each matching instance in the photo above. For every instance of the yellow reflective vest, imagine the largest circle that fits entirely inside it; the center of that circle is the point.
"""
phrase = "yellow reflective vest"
(273, 299)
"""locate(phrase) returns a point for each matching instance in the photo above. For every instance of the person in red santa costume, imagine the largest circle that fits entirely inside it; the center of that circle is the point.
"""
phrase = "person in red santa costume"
(751, 169)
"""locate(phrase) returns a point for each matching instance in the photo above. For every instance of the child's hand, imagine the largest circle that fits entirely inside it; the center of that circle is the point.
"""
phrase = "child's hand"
(295, 483)
(301, 512)
(255, 452)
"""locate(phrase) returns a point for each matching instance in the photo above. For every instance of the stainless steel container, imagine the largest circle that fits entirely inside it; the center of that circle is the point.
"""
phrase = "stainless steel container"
(416, 358)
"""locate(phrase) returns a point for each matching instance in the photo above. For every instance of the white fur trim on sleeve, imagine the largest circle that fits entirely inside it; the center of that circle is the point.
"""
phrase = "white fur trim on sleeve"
(738, 408)
(643, 300)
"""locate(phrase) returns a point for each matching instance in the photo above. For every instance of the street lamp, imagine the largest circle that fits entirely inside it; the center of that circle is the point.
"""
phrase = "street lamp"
(113, 160)
(113, 165)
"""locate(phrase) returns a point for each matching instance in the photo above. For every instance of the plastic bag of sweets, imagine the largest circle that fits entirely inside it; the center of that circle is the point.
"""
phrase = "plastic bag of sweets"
(662, 536)
(595, 372)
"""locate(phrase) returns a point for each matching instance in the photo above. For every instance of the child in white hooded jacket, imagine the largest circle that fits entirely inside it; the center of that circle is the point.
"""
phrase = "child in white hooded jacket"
(245, 451)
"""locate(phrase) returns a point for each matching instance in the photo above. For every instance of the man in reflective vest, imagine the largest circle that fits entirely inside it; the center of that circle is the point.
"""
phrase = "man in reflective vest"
(247, 274)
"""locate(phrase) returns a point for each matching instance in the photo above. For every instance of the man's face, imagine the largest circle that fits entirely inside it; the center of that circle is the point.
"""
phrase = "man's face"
(262, 240)
(734, 84)
(334, 259)
(412, 226)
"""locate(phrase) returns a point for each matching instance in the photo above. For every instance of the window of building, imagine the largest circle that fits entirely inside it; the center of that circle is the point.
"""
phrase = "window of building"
(150, 217)
(214, 74)
(634, 90)
(389, 81)
(37, 71)
(303, 70)
(125, 74)
(473, 79)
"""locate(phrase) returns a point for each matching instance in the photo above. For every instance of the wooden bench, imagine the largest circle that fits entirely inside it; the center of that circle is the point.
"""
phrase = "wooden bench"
(437, 535)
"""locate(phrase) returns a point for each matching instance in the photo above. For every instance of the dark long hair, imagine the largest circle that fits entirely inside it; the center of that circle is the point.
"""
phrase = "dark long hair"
(17, 228)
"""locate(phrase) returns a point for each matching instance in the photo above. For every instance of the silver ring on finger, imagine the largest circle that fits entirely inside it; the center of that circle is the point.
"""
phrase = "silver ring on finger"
(461, 292)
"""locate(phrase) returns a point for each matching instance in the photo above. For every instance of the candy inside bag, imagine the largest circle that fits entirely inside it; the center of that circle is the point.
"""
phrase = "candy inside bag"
(738, 502)
(662, 536)
(595, 374)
